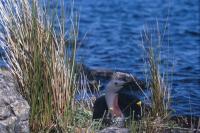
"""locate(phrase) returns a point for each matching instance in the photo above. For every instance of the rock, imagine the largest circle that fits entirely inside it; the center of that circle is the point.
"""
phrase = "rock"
(14, 110)
(3, 129)
(114, 130)
(105, 75)
(4, 112)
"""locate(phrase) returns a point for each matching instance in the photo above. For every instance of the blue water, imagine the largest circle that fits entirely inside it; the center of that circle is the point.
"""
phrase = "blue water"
(110, 37)
(113, 37)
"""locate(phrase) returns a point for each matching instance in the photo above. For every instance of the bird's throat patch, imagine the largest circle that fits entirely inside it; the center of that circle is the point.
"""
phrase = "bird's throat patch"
(116, 109)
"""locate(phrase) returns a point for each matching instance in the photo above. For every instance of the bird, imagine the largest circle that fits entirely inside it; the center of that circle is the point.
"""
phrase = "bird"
(117, 104)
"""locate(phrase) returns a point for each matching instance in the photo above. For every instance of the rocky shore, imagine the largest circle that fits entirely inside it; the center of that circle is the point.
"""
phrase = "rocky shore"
(14, 110)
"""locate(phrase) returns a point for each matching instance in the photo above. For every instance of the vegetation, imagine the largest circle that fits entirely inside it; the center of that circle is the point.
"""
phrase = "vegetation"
(158, 118)
(153, 119)
(43, 62)
(42, 59)
(158, 86)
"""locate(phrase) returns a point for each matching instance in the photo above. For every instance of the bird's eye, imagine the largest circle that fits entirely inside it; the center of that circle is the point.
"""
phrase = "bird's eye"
(116, 83)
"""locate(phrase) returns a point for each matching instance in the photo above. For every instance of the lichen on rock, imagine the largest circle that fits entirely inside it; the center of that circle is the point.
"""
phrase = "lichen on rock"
(14, 109)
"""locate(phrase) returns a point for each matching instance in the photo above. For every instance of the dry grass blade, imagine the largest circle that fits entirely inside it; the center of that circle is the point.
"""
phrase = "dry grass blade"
(38, 59)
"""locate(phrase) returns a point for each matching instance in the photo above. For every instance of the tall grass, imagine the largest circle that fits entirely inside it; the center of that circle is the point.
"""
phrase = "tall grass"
(159, 114)
(42, 61)
(160, 96)
(156, 118)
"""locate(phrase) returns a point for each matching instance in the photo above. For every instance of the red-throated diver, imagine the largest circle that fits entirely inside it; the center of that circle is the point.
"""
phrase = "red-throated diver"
(118, 104)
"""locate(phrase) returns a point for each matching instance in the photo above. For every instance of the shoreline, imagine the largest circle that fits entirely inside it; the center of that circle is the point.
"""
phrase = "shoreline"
(184, 122)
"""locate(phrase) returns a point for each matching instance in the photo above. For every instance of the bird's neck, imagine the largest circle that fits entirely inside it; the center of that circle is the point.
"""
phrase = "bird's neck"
(112, 103)
(116, 109)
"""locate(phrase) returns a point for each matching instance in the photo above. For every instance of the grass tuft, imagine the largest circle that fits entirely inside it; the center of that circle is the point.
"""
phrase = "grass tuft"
(43, 62)
(160, 96)
(158, 116)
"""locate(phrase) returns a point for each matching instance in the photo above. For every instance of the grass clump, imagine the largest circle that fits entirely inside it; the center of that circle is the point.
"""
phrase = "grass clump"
(159, 114)
(156, 119)
(160, 96)
(42, 61)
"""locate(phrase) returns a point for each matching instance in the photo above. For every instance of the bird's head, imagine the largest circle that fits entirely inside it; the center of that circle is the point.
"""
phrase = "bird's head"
(114, 86)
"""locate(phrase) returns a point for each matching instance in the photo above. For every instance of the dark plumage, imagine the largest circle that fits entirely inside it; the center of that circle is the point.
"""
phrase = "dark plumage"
(117, 103)
(127, 104)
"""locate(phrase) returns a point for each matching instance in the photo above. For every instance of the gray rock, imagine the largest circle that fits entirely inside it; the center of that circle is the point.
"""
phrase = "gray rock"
(22, 127)
(20, 109)
(3, 129)
(4, 112)
(14, 110)
(114, 130)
